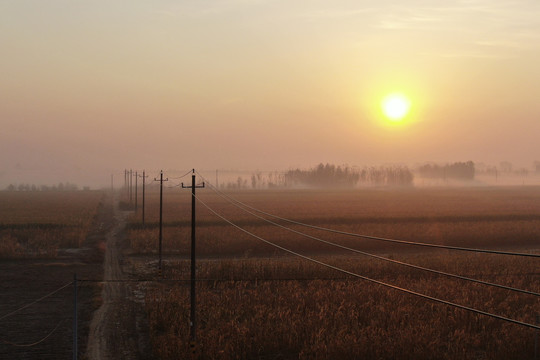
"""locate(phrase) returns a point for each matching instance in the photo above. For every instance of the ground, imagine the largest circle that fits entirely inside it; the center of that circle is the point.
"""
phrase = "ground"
(117, 330)
(109, 317)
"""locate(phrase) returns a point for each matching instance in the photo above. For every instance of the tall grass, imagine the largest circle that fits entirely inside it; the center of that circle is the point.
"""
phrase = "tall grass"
(39, 223)
(328, 316)
(255, 303)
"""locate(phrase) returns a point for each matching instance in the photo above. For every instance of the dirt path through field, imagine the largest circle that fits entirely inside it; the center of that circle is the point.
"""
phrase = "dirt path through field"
(113, 330)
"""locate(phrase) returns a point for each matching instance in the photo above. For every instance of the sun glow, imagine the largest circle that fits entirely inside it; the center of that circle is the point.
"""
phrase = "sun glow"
(395, 106)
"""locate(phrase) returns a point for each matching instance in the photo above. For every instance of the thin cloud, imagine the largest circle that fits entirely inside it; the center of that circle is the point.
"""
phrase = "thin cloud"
(498, 44)
(165, 13)
(334, 14)
(472, 54)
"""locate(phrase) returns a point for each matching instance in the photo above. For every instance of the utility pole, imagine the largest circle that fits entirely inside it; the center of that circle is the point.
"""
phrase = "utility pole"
(217, 183)
(130, 186)
(136, 182)
(143, 184)
(193, 322)
(160, 214)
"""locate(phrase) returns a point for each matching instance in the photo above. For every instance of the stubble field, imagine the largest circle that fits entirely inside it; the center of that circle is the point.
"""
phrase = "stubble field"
(39, 224)
(45, 238)
(257, 301)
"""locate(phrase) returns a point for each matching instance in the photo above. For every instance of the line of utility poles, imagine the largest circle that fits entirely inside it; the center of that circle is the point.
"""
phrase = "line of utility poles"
(128, 186)
(128, 183)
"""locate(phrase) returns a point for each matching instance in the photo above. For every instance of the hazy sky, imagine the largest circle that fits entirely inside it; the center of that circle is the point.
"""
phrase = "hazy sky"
(91, 87)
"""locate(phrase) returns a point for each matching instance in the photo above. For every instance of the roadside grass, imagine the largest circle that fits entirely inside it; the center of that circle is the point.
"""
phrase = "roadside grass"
(37, 224)
(255, 302)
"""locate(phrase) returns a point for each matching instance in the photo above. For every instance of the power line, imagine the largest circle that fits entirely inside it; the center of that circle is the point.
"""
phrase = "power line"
(37, 342)
(180, 177)
(174, 186)
(209, 280)
(379, 238)
(36, 301)
(384, 258)
(449, 303)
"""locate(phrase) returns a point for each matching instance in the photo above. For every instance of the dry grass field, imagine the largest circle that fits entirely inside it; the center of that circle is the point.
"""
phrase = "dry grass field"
(38, 224)
(506, 217)
(257, 302)
(45, 238)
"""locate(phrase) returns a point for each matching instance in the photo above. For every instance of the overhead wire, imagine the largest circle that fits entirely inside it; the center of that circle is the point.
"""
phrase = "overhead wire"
(180, 177)
(36, 301)
(458, 248)
(37, 342)
(148, 174)
(165, 280)
(384, 258)
(424, 296)
(173, 186)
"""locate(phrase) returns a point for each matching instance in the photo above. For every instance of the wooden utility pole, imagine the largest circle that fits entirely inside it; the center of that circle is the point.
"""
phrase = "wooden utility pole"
(160, 214)
(143, 195)
(136, 182)
(193, 322)
(130, 186)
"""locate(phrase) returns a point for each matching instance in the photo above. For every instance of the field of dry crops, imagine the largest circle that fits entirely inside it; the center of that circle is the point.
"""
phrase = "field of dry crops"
(38, 224)
(45, 238)
(255, 301)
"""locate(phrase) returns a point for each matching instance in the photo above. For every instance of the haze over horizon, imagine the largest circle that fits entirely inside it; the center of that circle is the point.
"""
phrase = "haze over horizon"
(89, 88)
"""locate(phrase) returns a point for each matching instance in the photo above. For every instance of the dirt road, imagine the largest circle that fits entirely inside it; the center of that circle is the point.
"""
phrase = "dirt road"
(115, 328)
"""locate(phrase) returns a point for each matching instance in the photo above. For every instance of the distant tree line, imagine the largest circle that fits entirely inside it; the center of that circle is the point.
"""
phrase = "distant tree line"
(344, 177)
(323, 176)
(387, 175)
(506, 168)
(258, 181)
(27, 187)
(457, 170)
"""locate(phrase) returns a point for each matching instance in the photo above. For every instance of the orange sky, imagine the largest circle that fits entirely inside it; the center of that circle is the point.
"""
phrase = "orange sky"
(91, 87)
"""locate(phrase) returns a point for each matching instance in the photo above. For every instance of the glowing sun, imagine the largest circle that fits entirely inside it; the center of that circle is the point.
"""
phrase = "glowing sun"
(395, 106)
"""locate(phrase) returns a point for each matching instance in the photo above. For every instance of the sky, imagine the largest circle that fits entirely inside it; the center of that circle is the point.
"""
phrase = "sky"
(89, 88)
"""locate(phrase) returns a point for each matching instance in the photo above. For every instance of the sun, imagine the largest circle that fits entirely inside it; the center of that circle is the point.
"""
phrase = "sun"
(395, 106)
